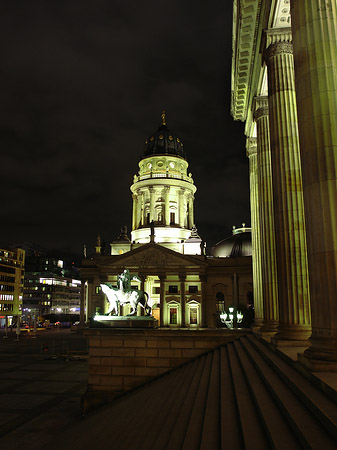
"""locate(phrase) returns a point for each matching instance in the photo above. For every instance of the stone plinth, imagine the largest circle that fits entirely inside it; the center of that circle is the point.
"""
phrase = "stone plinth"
(120, 360)
(124, 322)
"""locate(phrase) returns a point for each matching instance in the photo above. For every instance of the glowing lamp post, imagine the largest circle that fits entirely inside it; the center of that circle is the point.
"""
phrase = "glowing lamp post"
(228, 318)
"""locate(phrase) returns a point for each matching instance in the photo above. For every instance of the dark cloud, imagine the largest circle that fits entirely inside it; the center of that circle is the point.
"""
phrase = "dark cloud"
(83, 85)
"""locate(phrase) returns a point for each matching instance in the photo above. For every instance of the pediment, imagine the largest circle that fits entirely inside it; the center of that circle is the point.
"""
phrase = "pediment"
(152, 255)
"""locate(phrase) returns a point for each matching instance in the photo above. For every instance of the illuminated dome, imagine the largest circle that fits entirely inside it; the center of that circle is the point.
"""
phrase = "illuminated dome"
(163, 142)
(239, 244)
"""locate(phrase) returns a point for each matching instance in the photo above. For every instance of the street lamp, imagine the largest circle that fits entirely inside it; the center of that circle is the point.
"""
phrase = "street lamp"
(228, 318)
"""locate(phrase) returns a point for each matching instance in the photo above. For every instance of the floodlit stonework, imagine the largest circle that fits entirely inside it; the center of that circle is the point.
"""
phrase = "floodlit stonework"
(284, 87)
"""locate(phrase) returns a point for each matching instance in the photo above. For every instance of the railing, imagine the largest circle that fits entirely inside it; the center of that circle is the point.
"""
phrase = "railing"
(163, 175)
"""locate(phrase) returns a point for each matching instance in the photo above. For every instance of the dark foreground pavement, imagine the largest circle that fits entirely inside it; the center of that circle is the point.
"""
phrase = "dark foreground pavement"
(42, 380)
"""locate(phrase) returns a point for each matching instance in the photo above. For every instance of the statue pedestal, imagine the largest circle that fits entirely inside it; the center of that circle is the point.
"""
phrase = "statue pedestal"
(100, 321)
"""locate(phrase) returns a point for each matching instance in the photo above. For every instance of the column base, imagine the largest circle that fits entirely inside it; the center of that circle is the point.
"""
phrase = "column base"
(316, 365)
(269, 327)
(324, 351)
(295, 335)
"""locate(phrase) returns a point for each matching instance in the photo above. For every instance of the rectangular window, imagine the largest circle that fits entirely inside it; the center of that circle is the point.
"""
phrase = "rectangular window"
(173, 289)
(220, 306)
(193, 316)
(173, 316)
(156, 290)
(98, 289)
(193, 289)
(172, 217)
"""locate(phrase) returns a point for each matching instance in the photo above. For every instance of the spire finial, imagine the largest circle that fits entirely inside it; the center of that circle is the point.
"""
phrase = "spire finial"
(163, 117)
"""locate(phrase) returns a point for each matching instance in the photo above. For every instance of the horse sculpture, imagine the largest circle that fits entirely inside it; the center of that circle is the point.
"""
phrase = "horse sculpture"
(121, 297)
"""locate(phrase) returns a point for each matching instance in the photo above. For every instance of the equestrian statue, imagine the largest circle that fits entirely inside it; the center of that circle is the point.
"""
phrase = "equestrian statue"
(124, 294)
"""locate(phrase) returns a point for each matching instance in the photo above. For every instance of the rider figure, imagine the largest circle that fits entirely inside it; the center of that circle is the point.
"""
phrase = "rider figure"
(124, 280)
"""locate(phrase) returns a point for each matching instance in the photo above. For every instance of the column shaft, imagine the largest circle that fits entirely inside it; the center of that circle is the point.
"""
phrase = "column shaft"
(134, 211)
(167, 207)
(182, 277)
(290, 239)
(181, 208)
(266, 216)
(162, 279)
(251, 147)
(314, 25)
(191, 211)
(151, 204)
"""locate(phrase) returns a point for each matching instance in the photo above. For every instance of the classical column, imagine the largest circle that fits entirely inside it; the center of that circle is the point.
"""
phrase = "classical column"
(266, 218)
(290, 239)
(191, 211)
(142, 278)
(151, 189)
(90, 306)
(203, 279)
(251, 149)
(182, 278)
(141, 208)
(314, 25)
(82, 303)
(162, 279)
(236, 296)
(167, 206)
(181, 208)
(134, 212)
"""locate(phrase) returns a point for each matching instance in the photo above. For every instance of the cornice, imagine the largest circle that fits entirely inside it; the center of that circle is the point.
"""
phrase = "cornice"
(245, 25)
(250, 18)
(251, 146)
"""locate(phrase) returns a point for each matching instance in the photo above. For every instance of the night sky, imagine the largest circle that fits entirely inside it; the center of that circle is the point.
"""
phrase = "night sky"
(83, 84)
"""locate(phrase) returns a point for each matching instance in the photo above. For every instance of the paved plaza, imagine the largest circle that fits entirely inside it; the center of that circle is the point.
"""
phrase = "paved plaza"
(42, 380)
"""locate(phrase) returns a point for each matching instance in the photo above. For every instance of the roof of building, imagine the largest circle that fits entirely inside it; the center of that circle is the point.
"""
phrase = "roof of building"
(237, 245)
(163, 142)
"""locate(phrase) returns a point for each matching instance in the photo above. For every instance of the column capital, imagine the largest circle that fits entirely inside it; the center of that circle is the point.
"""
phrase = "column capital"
(278, 41)
(260, 107)
(251, 146)
(182, 276)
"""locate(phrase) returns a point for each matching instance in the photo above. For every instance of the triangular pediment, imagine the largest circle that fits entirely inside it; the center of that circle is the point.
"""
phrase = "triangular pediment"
(152, 255)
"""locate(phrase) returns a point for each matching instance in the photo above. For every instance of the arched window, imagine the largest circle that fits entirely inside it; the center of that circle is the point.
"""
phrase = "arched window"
(220, 302)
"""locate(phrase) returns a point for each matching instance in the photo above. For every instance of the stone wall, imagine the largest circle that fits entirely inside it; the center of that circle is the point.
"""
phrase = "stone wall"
(120, 360)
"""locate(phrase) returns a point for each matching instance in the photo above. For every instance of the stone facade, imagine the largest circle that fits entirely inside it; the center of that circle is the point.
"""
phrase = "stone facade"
(284, 87)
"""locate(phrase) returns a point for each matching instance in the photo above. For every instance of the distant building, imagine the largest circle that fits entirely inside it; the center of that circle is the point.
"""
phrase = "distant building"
(50, 287)
(187, 289)
(11, 283)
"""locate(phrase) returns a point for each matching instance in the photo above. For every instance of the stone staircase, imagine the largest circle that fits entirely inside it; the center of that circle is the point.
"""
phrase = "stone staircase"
(242, 395)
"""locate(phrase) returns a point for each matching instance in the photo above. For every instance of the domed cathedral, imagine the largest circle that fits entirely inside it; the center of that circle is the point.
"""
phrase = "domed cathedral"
(163, 192)
(165, 257)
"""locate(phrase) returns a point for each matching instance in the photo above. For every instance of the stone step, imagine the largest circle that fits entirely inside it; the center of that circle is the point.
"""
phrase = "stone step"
(194, 428)
(253, 433)
(319, 403)
(210, 434)
(178, 432)
(279, 433)
(146, 408)
(303, 423)
(231, 434)
(167, 418)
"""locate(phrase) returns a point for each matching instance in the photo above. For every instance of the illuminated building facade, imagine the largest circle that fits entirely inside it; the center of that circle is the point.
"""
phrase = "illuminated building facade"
(50, 287)
(284, 87)
(187, 289)
(12, 263)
